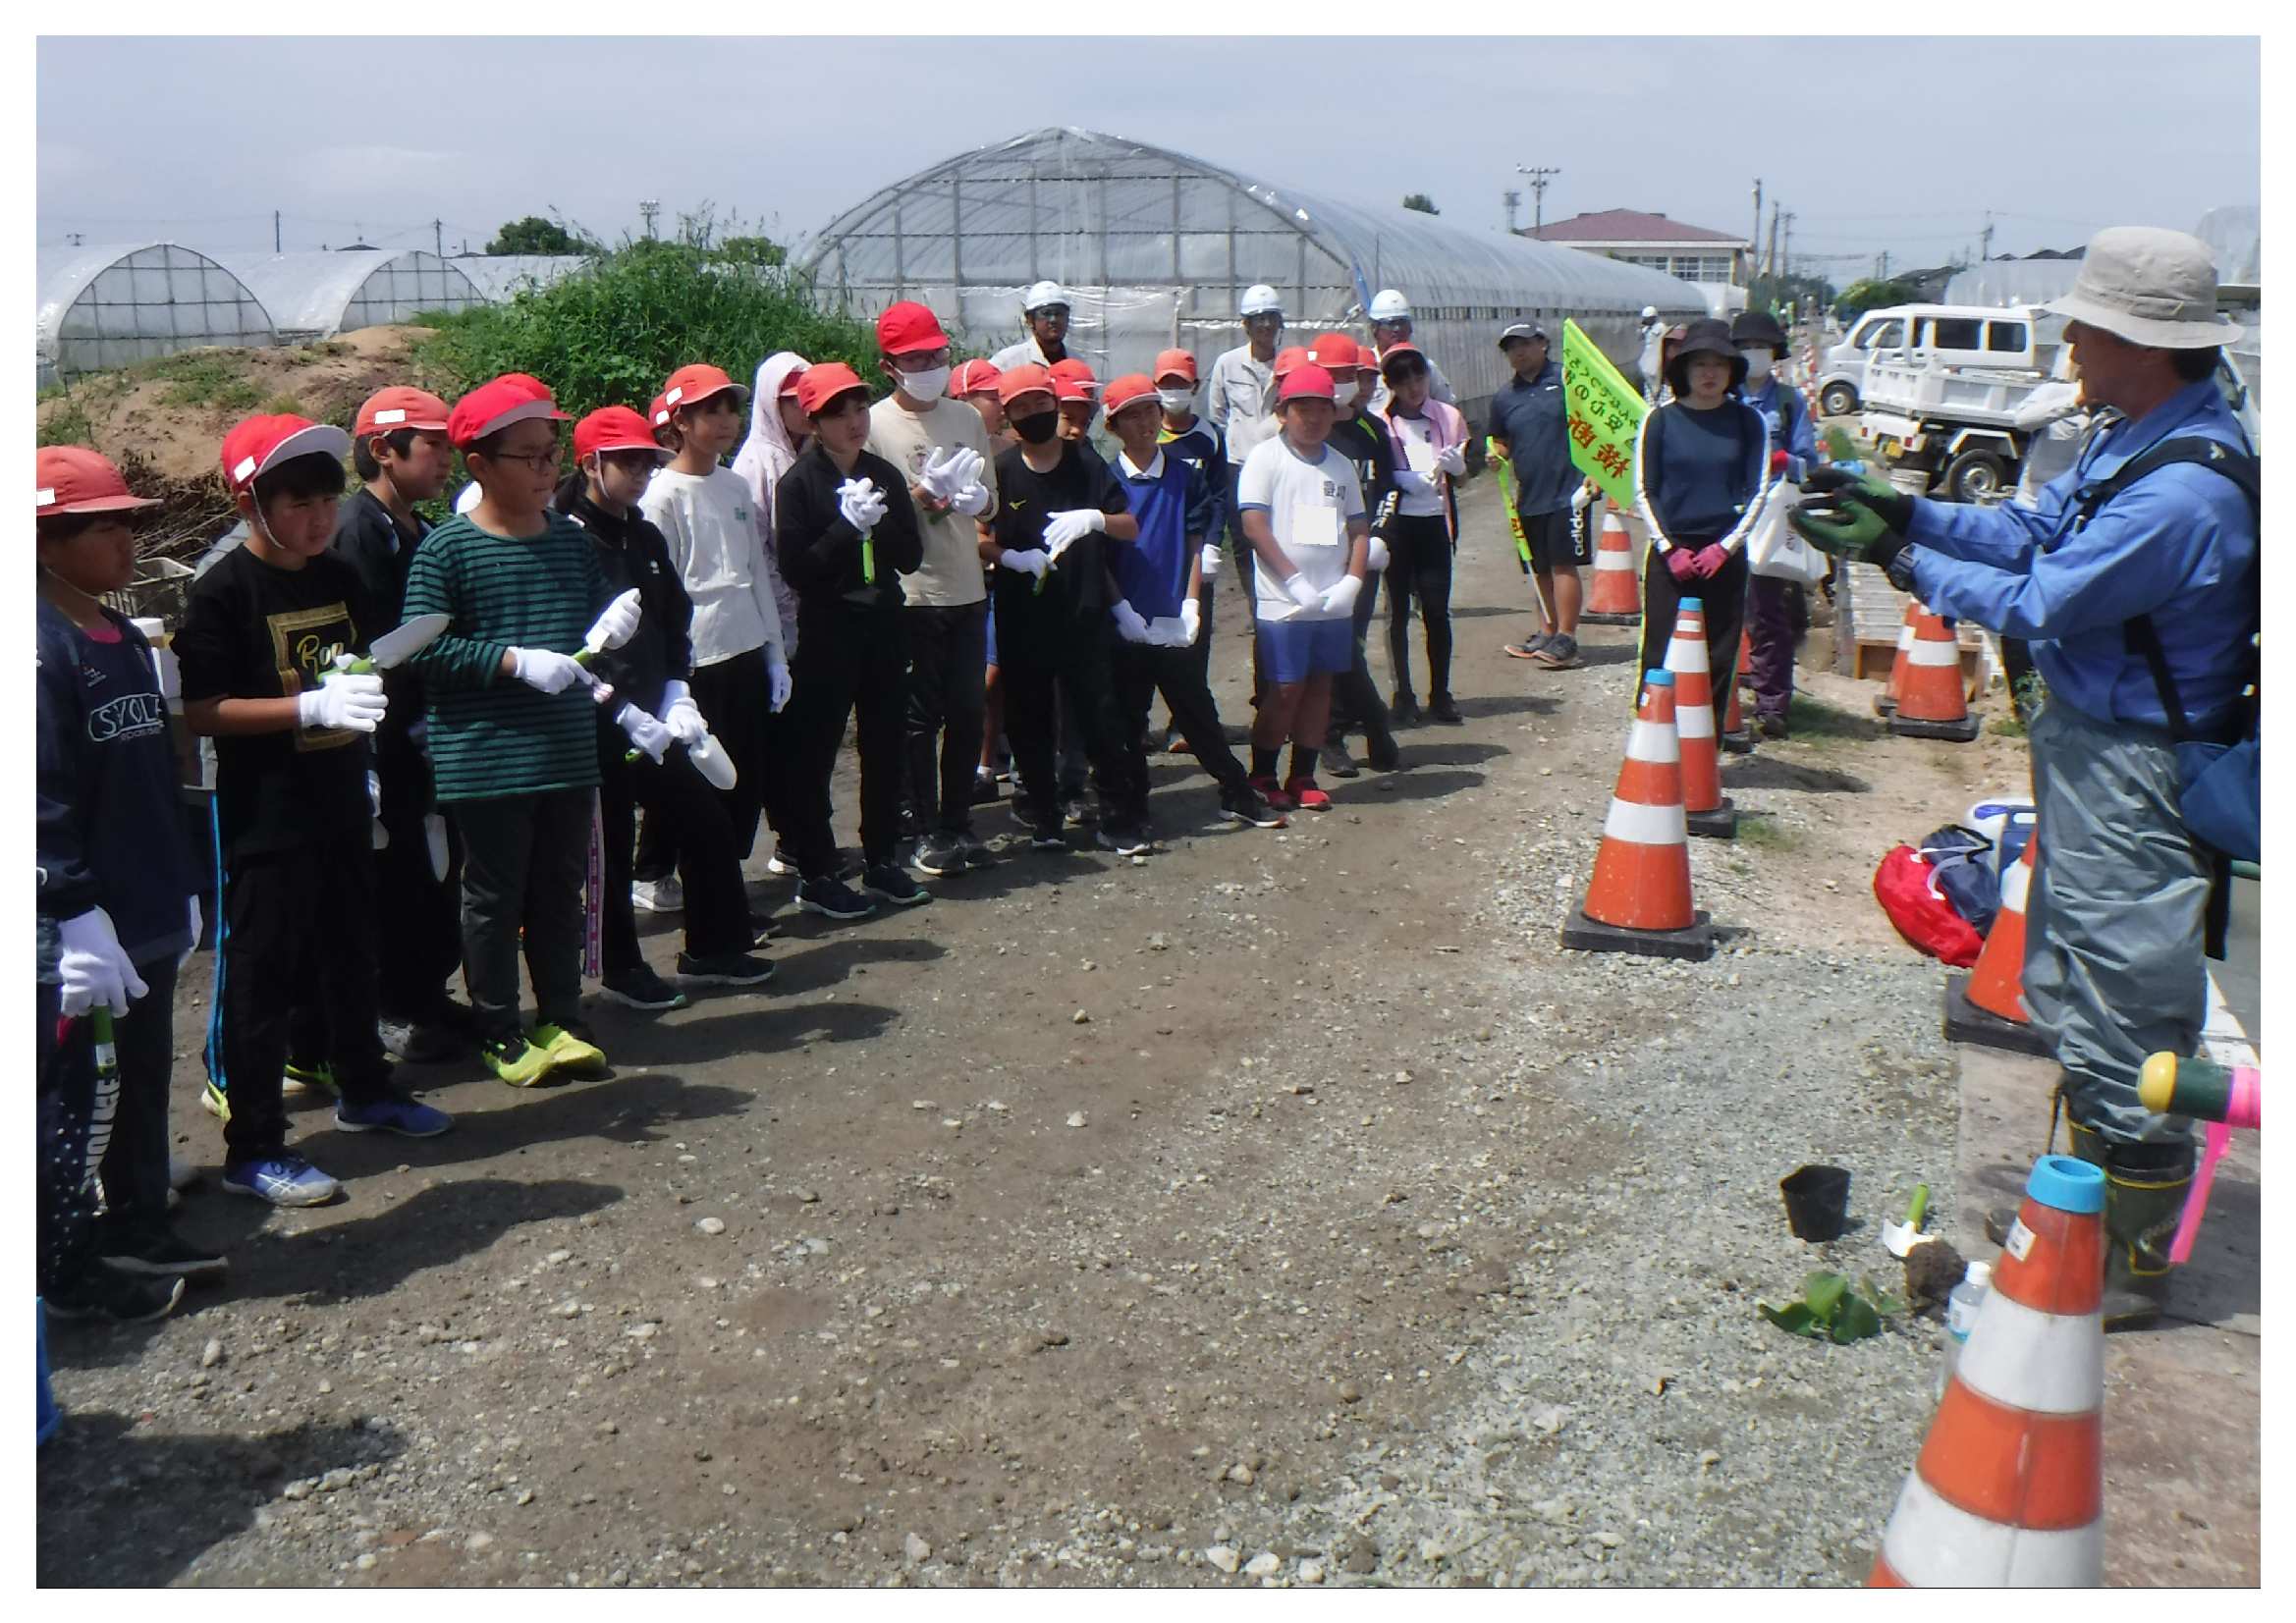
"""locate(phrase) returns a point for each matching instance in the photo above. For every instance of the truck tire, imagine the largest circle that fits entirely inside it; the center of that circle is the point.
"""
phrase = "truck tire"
(1838, 400)
(1976, 475)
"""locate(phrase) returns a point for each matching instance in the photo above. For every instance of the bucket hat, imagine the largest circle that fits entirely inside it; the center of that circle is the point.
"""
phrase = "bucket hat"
(2150, 286)
(1758, 327)
(1704, 338)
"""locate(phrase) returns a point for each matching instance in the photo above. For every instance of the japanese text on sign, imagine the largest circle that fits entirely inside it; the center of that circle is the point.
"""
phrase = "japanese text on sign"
(1606, 413)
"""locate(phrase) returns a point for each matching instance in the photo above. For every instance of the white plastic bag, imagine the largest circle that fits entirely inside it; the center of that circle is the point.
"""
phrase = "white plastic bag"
(1774, 548)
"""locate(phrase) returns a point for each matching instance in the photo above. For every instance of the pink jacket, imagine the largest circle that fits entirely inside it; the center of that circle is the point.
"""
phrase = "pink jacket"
(1445, 427)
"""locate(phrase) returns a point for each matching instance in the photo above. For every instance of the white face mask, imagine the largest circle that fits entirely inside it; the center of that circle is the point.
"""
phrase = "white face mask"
(1758, 364)
(1343, 394)
(926, 386)
(1176, 400)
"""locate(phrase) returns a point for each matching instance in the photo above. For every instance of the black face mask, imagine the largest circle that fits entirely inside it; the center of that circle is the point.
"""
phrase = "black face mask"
(1038, 428)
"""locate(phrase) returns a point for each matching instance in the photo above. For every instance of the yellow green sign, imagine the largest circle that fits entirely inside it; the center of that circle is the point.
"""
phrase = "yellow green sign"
(1606, 415)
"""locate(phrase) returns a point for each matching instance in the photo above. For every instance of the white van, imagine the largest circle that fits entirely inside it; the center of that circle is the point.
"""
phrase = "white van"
(2012, 339)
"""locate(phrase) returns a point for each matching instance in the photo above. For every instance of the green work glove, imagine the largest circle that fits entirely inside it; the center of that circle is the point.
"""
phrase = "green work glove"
(1853, 515)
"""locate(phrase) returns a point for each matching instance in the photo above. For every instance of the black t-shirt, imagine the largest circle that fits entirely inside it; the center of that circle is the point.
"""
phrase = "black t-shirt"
(1077, 590)
(253, 630)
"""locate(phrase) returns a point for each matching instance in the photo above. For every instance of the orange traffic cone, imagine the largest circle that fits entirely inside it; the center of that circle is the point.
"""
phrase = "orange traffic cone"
(1734, 737)
(1930, 702)
(1705, 809)
(1888, 702)
(1987, 1006)
(1639, 899)
(1613, 598)
(2010, 1490)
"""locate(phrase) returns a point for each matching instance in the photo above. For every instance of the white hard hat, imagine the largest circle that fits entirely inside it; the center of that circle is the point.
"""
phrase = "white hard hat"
(1042, 295)
(1389, 304)
(1260, 299)
(1650, 312)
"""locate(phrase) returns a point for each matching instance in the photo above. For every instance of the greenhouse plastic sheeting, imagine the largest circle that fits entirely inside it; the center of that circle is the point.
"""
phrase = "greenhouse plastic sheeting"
(1154, 249)
(501, 277)
(101, 307)
(2011, 282)
(313, 296)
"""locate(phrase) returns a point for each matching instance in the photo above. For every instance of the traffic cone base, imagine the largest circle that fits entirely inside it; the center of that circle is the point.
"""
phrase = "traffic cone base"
(1965, 1023)
(1961, 732)
(1719, 822)
(1695, 943)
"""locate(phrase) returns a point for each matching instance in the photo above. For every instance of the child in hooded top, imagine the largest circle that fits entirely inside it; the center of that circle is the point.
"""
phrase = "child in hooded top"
(1430, 440)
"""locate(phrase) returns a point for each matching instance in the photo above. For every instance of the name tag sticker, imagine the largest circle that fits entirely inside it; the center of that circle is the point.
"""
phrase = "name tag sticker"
(1421, 456)
(1314, 526)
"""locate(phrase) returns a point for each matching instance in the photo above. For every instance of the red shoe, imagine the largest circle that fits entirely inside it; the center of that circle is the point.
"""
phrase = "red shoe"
(1305, 795)
(1278, 799)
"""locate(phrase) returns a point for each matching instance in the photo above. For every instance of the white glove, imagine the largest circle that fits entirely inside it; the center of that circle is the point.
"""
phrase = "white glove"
(94, 968)
(971, 499)
(1209, 558)
(1301, 593)
(1582, 498)
(617, 626)
(1376, 554)
(1064, 530)
(1191, 621)
(1340, 599)
(1032, 562)
(644, 731)
(680, 715)
(777, 685)
(1452, 459)
(861, 504)
(434, 836)
(340, 700)
(1130, 625)
(949, 471)
(1418, 484)
(546, 672)
(1165, 632)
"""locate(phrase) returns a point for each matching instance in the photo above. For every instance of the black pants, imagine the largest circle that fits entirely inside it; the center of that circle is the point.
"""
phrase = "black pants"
(525, 857)
(1356, 706)
(1723, 600)
(736, 698)
(1241, 558)
(680, 802)
(114, 1131)
(298, 947)
(1035, 660)
(851, 662)
(1140, 672)
(1419, 567)
(418, 935)
(948, 695)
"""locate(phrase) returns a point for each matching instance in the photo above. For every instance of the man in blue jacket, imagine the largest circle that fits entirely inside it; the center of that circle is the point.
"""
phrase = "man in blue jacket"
(2116, 924)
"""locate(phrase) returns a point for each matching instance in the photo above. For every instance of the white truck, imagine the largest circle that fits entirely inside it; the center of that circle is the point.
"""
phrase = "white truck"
(1944, 390)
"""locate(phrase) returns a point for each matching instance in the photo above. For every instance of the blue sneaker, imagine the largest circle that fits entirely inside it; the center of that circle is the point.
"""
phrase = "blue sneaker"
(392, 1113)
(282, 1179)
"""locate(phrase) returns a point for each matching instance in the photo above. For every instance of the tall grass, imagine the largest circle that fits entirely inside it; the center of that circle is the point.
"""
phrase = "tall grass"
(610, 337)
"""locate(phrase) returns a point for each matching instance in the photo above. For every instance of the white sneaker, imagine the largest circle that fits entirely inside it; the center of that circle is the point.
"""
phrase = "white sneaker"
(658, 895)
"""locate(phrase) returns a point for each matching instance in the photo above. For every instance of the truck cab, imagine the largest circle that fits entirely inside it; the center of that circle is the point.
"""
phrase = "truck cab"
(1945, 385)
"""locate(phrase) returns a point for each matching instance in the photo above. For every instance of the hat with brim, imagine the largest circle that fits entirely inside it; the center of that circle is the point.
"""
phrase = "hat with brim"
(70, 479)
(258, 444)
(1397, 354)
(1704, 338)
(2150, 286)
(514, 397)
(1522, 332)
(1758, 327)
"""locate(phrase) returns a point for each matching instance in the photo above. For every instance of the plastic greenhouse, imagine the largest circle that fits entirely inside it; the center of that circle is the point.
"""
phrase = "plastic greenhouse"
(316, 296)
(501, 277)
(1154, 249)
(101, 307)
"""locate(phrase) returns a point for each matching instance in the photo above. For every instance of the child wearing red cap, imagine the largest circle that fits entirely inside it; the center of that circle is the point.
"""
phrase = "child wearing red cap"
(1299, 506)
(513, 723)
(117, 907)
(1362, 438)
(263, 634)
(716, 533)
(846, 531)
(400, 451)
(1201, 445)
(1429, 439)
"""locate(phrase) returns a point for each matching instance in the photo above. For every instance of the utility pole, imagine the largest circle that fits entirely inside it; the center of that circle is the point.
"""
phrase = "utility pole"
(438, 238)
(1769, 255)
(1884, 264)
(1986, 239)
(1754, 242)
(1789, 243)
(275, 237)
(1514, 202)
(649, 208)
(1539, 179)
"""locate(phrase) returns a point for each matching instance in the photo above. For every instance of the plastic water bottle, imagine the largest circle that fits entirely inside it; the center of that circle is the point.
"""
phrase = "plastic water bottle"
(1961, 1306)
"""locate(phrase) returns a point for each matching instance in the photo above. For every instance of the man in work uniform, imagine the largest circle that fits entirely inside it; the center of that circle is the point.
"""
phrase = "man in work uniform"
(1239, 399)
(1045, 307)
(1391, 325)
(2119, 917)
(1528, 426)
(1653, 362)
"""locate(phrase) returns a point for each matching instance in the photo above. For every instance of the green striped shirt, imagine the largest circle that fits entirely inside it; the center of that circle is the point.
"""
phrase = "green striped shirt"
(491, 734)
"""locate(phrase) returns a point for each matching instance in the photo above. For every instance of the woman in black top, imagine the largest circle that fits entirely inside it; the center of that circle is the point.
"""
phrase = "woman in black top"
(1699, 466)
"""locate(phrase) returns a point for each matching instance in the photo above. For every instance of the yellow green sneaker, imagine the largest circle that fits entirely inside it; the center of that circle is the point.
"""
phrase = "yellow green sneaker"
(301, 1078)
(216, 1102)
(569, 1050)
(517, 1062)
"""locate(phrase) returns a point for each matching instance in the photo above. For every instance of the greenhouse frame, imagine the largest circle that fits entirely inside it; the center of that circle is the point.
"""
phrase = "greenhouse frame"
(1154, 249)
(502, 277)
(318, 296)
(119, 303)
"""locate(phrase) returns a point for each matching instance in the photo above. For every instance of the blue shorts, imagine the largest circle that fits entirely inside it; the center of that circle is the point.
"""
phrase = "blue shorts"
(992, 661)
(1294, 650)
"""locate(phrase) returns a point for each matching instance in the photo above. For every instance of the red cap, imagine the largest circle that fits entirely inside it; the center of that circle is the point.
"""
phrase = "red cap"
(387, 410)
(1334, 350)
(260, 444)
(1030, 379)
(692, 385)
(974, 377)
(1073, 380)
(1128, 390)
(513, 398)
(1287, 357)
(791, 377)
(907, 327)
(70, 479)
(1396, 352)
(613, 428)
(1306, 381)
(658, 412)
(1169, 362)
(824, 383)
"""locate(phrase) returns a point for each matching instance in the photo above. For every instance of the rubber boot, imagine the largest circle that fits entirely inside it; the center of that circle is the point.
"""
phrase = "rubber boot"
(2144, 1186)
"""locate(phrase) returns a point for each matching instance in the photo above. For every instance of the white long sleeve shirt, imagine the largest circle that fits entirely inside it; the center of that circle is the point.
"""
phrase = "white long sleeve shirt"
(711, 523)
(1239, 398)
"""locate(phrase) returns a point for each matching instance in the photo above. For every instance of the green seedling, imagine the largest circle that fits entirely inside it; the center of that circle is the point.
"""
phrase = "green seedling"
(1830, 1311)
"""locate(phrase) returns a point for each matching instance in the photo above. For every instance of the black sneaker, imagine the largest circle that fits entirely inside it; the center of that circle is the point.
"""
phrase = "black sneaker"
(977, 851)
(1074, 811)
(1245, 805)
(892, 882)
(834, 898)
(102, 1291)
(1132, 841)
(938, 855)
(1045, 835)
(729, 970)
(778, 862)
(1403, 711)
(1382, 752)
(1441, 709)
(641, 988)
(1771, 727)
(1333, 758)
(161, 1255)
(984, 786)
